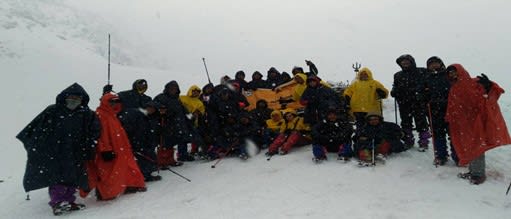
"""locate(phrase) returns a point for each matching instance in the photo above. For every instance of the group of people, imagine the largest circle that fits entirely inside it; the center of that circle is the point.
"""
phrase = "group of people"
(130, 136)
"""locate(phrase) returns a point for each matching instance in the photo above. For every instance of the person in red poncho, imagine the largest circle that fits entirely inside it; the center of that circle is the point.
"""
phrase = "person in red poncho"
(114, 170)
(475, 120)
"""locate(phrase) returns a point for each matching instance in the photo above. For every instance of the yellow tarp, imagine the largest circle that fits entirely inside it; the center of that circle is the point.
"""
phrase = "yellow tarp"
(274, 97)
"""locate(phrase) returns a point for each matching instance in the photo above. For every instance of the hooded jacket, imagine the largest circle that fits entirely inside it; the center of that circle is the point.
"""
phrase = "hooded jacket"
(132, 98)
(192, 104)
(58, 141)
(112, 177)
(175, 124)
(363, 94)
(275, 125)
(408, 82)
(475, 122)
(257, 83)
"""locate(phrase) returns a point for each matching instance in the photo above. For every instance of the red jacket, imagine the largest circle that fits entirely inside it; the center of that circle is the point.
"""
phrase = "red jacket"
(475, 121)
(112, 177)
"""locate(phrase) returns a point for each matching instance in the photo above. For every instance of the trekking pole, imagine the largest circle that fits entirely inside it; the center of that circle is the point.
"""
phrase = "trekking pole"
(432, 134)
(153, 161)
(108, 59)
(509, 187)
(220, 158)
(374, 160)
(206, 67)
(226, 153)
(395, 109)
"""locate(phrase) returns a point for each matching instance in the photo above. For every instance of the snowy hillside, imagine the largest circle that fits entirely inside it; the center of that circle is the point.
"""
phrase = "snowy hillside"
(46, 45)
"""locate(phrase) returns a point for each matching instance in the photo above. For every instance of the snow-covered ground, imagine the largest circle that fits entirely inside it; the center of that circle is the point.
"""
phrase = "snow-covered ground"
(46, 45)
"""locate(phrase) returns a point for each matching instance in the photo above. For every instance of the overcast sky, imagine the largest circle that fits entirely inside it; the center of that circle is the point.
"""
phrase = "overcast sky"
(255, 35)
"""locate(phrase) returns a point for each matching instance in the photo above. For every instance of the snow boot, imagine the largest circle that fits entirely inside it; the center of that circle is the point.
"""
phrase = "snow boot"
(476, 180)
(423, 140)
(76, 206)
(243, 156)
(61, 208)
(408, 138)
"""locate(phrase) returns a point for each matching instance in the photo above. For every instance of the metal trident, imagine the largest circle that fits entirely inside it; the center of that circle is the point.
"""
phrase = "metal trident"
(356, 66)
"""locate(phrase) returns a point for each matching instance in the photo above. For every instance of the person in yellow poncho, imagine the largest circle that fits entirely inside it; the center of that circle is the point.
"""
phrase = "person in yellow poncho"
(272, 128)
(291, 134)
(364, 95)
(195, 108)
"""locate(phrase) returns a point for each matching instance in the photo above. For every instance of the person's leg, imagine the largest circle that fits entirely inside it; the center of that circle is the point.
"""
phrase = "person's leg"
(477, 170)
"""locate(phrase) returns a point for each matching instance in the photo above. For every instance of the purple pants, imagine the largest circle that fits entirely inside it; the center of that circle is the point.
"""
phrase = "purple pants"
(61, 193)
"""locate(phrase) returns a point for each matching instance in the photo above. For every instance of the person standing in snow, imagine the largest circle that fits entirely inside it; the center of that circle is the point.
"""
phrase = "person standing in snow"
(406, 91)
(436, 91)
(114, 170)
(175, 125)
(318, 99)
(136, 97)
(141, 126)
(195, 111)
(476, 124)
(365, 95)
(58, 143)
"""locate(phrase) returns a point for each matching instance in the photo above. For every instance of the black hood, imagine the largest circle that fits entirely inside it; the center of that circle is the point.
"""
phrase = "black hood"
(207, 86)
(262, 101)
(172, 84)
(138, 81)
(406, 57)
(74, 89)
(239, 74)
(435, 59)
(257, 73)
(273, 70)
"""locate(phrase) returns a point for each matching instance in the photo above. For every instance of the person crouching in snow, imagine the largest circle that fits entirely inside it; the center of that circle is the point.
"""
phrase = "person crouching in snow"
(114, 171)
(58, 142)
(332, 134)
(234, 137)
(272, 128)
(383, 137)
(291, 134)
(475, 120)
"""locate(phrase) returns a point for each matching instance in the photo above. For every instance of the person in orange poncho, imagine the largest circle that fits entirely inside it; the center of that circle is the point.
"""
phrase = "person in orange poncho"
(114, 170)
(475, 120)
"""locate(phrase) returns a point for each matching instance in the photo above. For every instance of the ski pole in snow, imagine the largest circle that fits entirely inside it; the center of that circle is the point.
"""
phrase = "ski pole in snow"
(108, 59)
(153, 161)
(509, 187)
(374, 160)
(220, 158)
(395, 109)
(206, 67)
(432, 134)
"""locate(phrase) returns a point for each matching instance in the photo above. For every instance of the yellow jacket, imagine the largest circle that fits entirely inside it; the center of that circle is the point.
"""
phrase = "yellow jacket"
(363, 93)
(296, 124)
(190, 103)
(300, 88)
(272, 125)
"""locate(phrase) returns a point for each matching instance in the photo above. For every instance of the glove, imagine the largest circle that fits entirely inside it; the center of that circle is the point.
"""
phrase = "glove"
(380, 93)
(485, 82)
(308, 62)
(394, 94)
(107, 88)
(108, 155)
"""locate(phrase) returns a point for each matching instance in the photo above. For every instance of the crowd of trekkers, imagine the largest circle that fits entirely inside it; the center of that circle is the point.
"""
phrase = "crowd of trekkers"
(121, 145)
